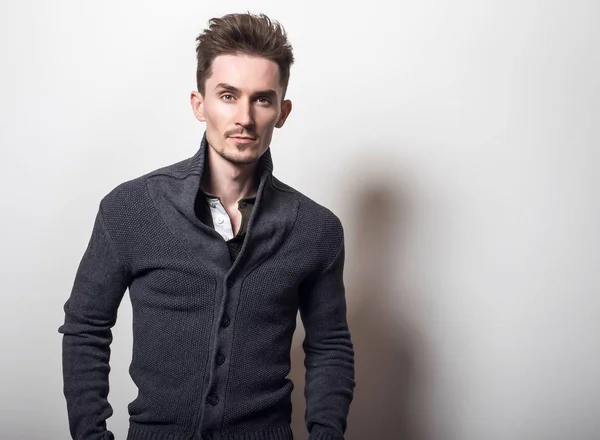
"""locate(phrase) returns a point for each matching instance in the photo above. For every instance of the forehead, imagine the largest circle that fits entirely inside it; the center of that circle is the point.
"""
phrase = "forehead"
(246, 72)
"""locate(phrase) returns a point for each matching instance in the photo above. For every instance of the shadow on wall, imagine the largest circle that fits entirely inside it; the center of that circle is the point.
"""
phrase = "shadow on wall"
(390, 359)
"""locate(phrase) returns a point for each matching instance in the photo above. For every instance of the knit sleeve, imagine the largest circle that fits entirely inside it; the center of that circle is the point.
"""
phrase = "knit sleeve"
(90, 312)
(329, 354)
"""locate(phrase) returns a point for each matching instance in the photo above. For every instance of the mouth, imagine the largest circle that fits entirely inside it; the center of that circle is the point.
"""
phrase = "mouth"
(243, 139)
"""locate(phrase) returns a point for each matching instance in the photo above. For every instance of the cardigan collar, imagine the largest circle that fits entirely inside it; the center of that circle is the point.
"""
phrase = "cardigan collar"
(197, 163)
(174, 190)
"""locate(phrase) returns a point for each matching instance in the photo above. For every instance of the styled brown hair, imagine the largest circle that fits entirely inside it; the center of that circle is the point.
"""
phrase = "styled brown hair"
(243, 34)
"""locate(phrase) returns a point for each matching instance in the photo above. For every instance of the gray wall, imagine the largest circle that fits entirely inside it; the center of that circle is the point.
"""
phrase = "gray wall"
(457, 141)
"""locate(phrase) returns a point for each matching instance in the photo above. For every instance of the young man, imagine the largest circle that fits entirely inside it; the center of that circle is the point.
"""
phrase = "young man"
(218, 256)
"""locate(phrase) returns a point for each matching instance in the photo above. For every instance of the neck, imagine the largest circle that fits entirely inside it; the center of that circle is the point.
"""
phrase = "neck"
(228, 181)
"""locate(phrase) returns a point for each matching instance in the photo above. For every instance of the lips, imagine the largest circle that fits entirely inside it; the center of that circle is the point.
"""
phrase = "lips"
(243, 140)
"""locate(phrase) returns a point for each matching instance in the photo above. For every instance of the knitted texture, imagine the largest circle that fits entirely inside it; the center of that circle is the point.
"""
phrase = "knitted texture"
(211, 340)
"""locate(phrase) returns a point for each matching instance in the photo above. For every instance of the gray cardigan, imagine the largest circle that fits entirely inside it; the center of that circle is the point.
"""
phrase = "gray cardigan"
(211, 339)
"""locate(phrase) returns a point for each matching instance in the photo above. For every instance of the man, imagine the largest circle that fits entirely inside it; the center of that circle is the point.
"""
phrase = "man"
(218, 256)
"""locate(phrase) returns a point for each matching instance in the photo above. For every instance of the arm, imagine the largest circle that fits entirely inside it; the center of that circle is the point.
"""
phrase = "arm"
(329, 354)
(90, 312)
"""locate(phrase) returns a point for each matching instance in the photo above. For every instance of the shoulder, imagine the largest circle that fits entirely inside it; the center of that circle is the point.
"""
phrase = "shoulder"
(132, 195)
(323, 224)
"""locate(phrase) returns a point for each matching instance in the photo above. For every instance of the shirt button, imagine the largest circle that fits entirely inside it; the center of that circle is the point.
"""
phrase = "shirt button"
(226, 321)
(207, 435)
(220, 220)
(213, 400)
(220, 359)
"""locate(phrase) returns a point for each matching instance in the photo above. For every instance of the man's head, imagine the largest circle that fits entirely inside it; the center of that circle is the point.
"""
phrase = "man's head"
(243, 70)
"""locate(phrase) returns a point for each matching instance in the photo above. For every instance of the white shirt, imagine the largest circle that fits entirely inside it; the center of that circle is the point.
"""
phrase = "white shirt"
(220, 218)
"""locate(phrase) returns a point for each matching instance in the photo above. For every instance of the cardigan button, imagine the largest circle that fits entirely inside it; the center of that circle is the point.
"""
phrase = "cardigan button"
(220, 359)
(207, 435)
(213, 400)
(226, 321)
(230, 282)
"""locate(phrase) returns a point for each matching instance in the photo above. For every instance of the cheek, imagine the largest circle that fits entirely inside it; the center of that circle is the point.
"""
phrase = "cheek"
(217, 115)
(269, 117)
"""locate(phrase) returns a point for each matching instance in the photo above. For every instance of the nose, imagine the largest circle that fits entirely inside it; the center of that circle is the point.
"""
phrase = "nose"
(245, 117)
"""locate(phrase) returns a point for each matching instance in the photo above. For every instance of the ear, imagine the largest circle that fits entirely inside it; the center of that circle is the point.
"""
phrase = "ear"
(286, 108)
(197, 101)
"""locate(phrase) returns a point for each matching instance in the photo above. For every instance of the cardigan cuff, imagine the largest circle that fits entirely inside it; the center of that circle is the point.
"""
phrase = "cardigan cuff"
(324, 435)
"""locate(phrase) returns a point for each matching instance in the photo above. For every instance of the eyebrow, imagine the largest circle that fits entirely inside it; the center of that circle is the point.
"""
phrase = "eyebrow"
(268, 93)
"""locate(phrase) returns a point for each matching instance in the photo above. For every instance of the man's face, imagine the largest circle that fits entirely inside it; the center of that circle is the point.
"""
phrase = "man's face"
(242, 103)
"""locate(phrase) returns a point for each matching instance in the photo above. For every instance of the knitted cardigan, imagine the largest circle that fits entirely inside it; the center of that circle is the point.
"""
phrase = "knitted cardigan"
(211, 339)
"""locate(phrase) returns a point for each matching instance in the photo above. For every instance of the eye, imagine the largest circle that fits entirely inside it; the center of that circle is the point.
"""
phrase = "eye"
(263, 101)
(227, 97)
